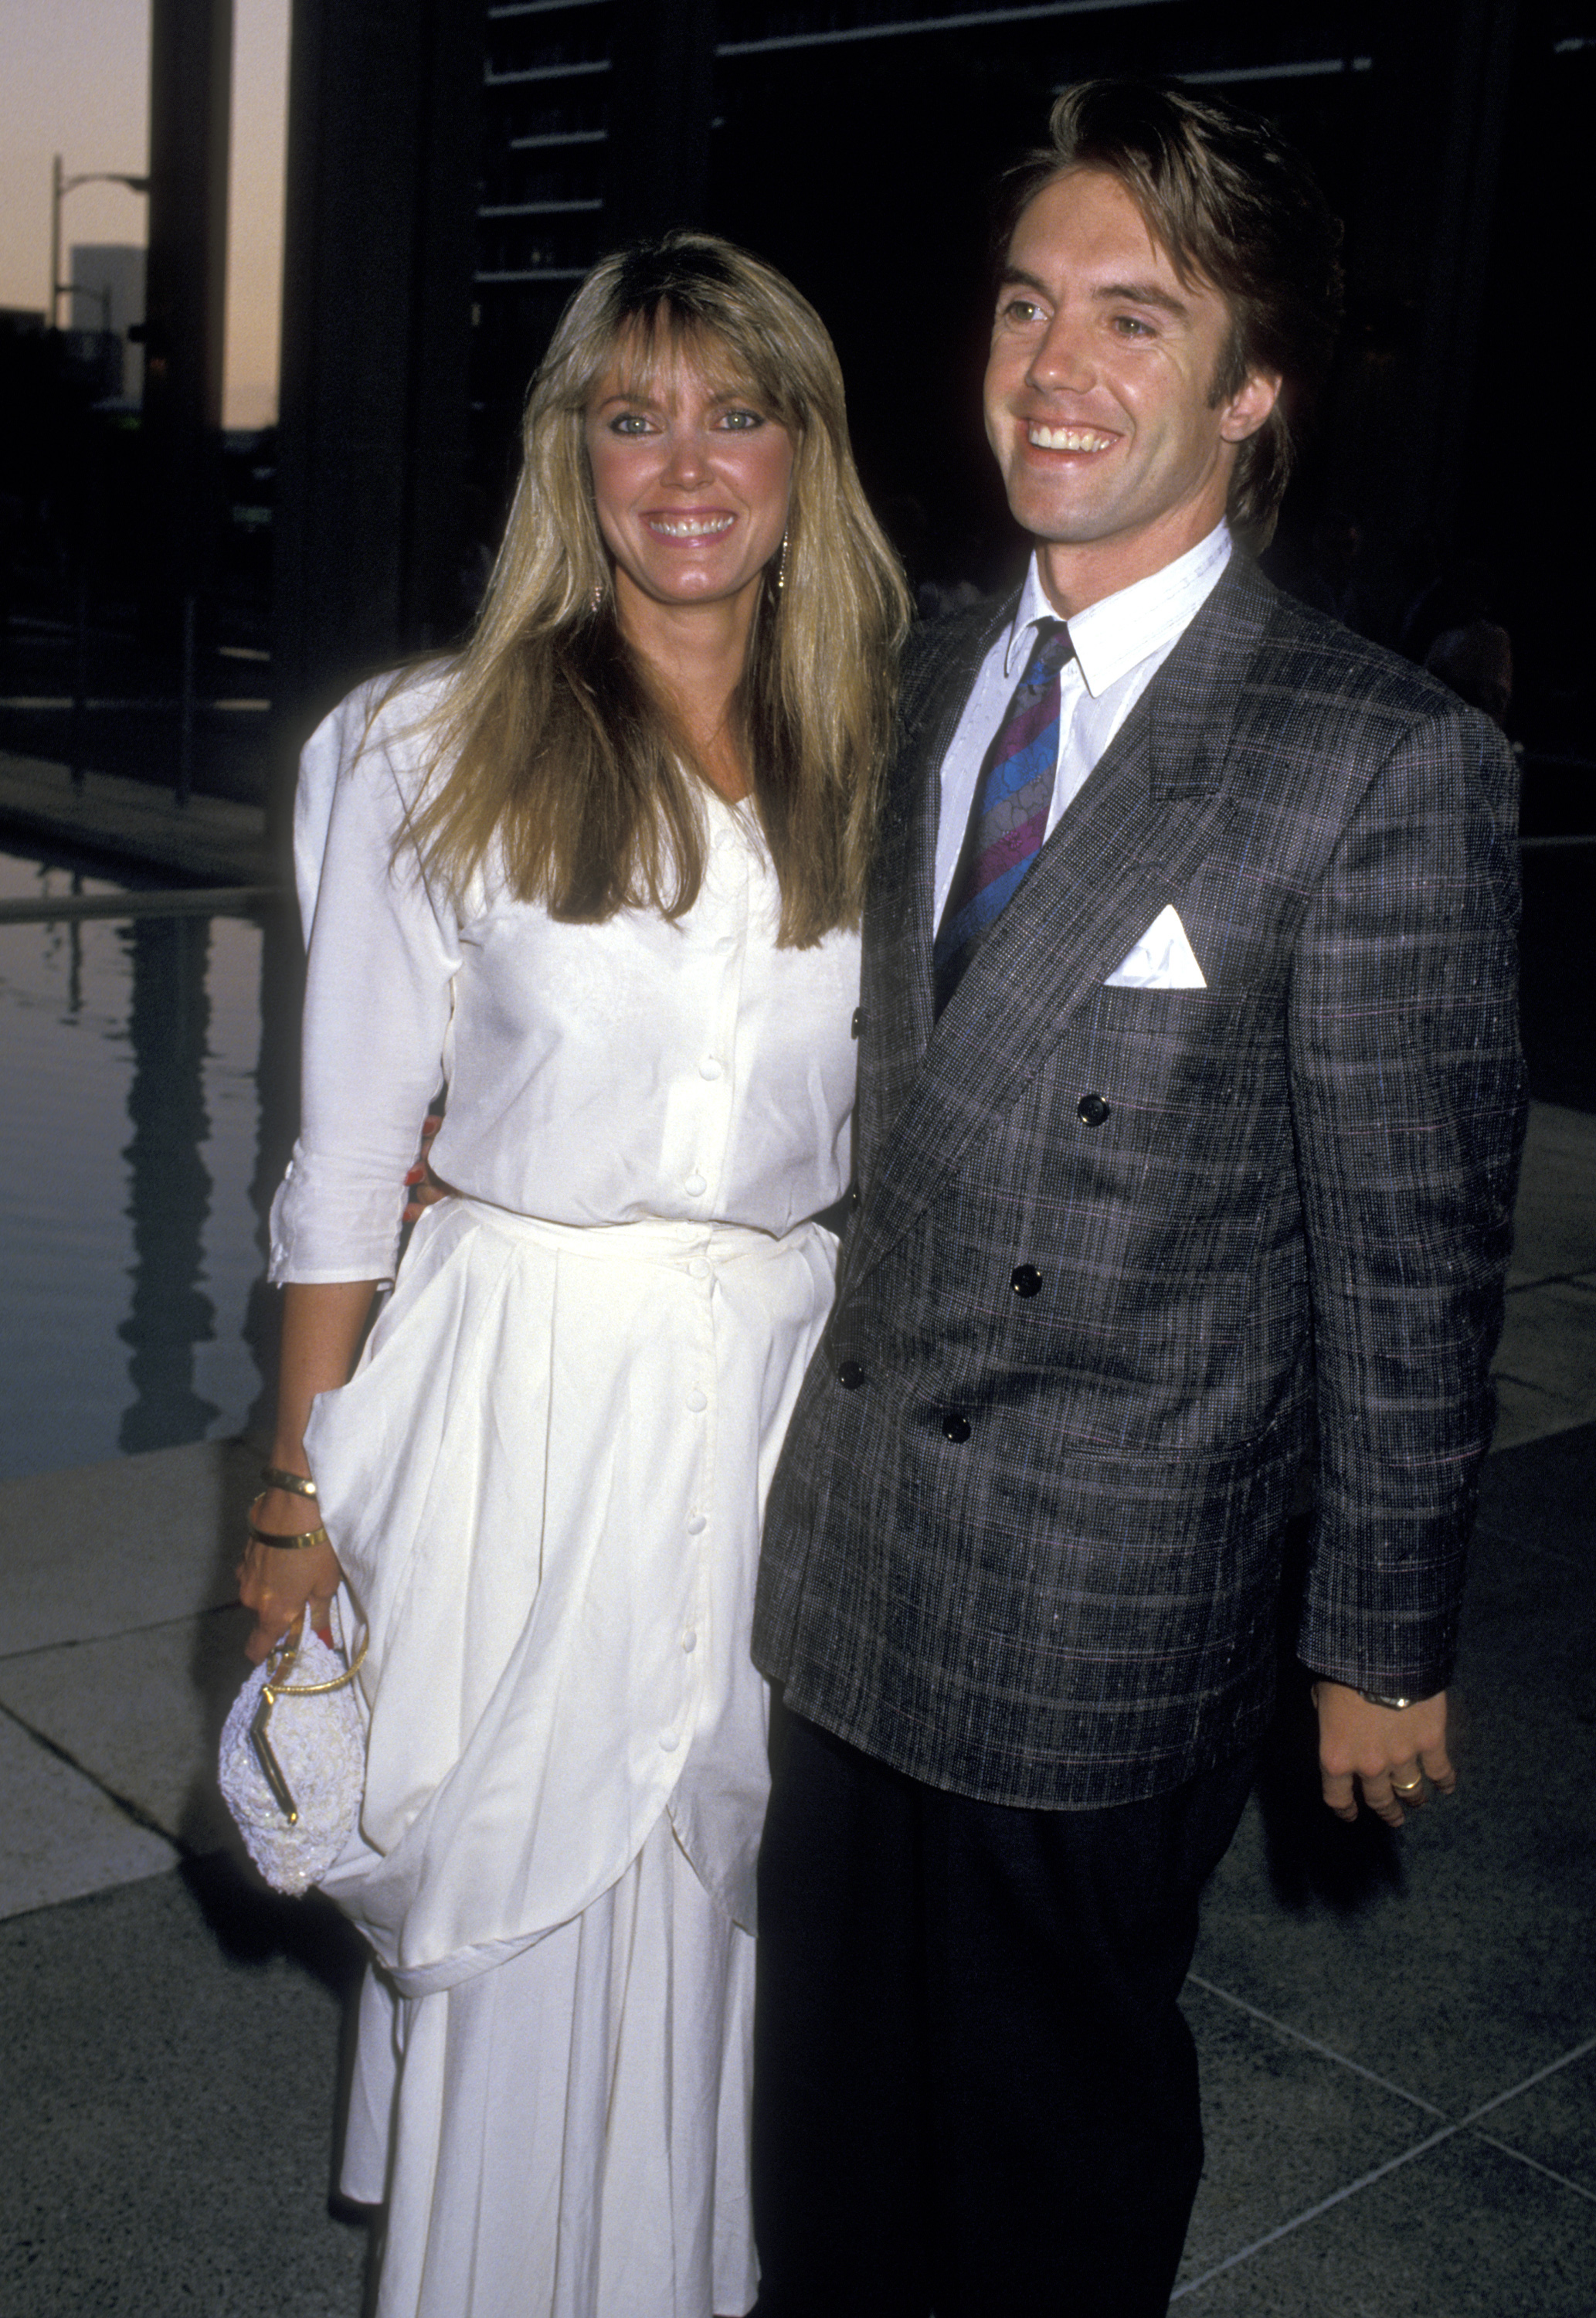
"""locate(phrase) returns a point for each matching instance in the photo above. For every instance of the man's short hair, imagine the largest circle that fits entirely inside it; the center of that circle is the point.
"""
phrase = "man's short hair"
(1233, 205)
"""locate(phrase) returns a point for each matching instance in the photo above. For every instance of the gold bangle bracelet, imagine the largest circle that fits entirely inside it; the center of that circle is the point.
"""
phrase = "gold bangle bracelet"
(298, 1485)
(283, 1544)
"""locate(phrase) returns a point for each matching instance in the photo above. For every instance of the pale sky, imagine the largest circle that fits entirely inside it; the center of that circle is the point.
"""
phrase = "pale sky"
(74, 80)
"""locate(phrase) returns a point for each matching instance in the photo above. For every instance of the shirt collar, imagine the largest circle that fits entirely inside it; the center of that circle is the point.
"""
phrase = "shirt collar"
(1110, 637)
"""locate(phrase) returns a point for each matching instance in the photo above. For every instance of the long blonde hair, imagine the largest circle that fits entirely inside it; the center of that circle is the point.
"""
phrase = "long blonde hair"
(550, 749)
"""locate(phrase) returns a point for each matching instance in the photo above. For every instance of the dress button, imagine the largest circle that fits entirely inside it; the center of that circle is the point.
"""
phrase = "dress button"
(1092, 1110)
(667, 1740)
(698, 1269)
(689, 1641)
(955, 1426)
(709, 1068)
(696, 1524)
(694, 1187)
(1025, 1279)
(698, 1401)
(858, 1019)
(850, 1376)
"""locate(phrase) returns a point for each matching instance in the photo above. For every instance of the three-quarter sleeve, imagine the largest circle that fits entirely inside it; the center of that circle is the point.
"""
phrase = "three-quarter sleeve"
(383, 953)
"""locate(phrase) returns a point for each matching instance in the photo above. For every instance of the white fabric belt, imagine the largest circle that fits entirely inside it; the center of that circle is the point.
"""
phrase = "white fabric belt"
(663, 1239)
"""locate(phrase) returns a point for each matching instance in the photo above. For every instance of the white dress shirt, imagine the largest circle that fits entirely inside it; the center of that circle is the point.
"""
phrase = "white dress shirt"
(597, 1073)
(1120, 645)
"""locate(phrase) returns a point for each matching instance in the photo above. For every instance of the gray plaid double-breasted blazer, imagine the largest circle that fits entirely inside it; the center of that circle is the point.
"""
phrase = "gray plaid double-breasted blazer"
(1124, 1261)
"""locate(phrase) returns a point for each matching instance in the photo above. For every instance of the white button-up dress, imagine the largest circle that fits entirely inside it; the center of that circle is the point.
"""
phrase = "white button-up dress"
(544, 1485)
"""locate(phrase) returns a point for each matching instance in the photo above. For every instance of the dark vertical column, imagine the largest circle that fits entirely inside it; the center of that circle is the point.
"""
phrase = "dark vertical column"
(190, 76)
(383, 100)
(1422, 250)
(169, 1186)
(661, 94)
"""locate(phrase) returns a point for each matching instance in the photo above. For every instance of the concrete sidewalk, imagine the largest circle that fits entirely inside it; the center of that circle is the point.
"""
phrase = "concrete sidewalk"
(211, 839)
(1398, 2033)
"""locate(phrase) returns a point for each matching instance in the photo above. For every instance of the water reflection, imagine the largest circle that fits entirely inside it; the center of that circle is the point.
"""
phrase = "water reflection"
(277, 1087)
(168, 1184)
(140, 1161)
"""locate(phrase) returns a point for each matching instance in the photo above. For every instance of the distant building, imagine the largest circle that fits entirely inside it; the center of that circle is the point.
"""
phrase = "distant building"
(107, 279)
(441, 211)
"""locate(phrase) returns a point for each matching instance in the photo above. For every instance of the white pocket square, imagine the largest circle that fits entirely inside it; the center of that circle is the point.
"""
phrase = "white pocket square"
(1162, 959)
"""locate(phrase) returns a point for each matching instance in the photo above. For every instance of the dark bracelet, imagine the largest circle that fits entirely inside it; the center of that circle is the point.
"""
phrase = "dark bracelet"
(1378, 1698)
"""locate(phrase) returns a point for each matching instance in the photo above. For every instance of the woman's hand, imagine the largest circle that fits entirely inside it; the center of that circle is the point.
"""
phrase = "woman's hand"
(322, 1325)
(422, 1187)
(281, 1584)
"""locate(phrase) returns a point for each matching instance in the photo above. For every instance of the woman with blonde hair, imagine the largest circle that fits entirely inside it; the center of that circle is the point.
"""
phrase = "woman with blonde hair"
(601, 873)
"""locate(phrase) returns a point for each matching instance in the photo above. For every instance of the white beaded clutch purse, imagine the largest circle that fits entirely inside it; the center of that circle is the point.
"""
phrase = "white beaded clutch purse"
(293, 1760)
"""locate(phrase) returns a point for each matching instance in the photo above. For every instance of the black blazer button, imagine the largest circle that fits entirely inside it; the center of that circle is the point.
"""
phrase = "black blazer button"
(858, 1018)
(850, 1376)
(1026, 1280)
(1091, 1110)
(955, 1426)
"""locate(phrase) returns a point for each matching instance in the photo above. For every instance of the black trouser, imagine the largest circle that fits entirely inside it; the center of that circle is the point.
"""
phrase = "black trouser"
(974, 2090)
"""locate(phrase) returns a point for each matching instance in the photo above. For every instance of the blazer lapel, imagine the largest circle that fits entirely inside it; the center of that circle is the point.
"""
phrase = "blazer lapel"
(897, 962)
(1142, 824)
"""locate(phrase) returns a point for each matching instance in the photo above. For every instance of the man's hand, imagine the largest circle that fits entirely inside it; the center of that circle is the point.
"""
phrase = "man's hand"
(1387, 1751)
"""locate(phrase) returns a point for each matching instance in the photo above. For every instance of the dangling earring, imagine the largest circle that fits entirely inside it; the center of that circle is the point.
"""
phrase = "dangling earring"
(595, 601)
(780, 564)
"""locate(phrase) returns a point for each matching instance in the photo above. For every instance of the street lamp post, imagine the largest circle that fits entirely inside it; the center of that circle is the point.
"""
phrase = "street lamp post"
(59, 187)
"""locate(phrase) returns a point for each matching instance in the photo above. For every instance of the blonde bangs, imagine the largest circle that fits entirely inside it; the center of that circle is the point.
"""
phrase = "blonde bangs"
(550, 747)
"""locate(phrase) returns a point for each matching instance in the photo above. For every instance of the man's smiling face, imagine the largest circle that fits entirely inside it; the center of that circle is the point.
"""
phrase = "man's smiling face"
(1098, 392)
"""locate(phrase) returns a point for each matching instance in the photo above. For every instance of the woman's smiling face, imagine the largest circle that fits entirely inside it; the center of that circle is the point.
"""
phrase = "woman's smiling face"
(691, 476)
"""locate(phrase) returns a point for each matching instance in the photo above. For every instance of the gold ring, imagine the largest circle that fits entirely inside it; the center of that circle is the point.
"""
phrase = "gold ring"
(1407, 1793)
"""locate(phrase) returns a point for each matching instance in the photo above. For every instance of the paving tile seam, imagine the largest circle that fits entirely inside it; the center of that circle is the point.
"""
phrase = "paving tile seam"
(121, 1634)
(1327, 2052)
(1531, 1545)
(130, 1810)
(1313, 2213)
(1535, 2166)
(78, 1898)
(1564, 1416)
(1378, 2172)
(1548, 1392)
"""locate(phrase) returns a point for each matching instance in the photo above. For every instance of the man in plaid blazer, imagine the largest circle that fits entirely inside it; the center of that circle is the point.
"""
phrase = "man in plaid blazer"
(1184, 1177)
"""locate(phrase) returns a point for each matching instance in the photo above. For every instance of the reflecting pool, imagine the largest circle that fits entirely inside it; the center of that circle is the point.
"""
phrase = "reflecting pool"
(141, 1156)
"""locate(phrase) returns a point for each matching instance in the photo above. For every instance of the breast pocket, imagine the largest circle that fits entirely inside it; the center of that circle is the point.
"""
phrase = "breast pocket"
(1156, 1056)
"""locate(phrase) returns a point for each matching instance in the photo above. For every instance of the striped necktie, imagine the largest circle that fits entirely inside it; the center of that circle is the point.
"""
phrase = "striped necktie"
(1008, 816)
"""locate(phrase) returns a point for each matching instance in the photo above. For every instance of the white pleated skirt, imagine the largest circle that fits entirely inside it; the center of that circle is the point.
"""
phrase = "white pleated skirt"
(545, 1485)
(567, 2133)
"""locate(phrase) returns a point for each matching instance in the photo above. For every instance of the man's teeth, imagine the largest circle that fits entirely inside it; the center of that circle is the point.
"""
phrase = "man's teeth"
(1068, 439)
(691, 526)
